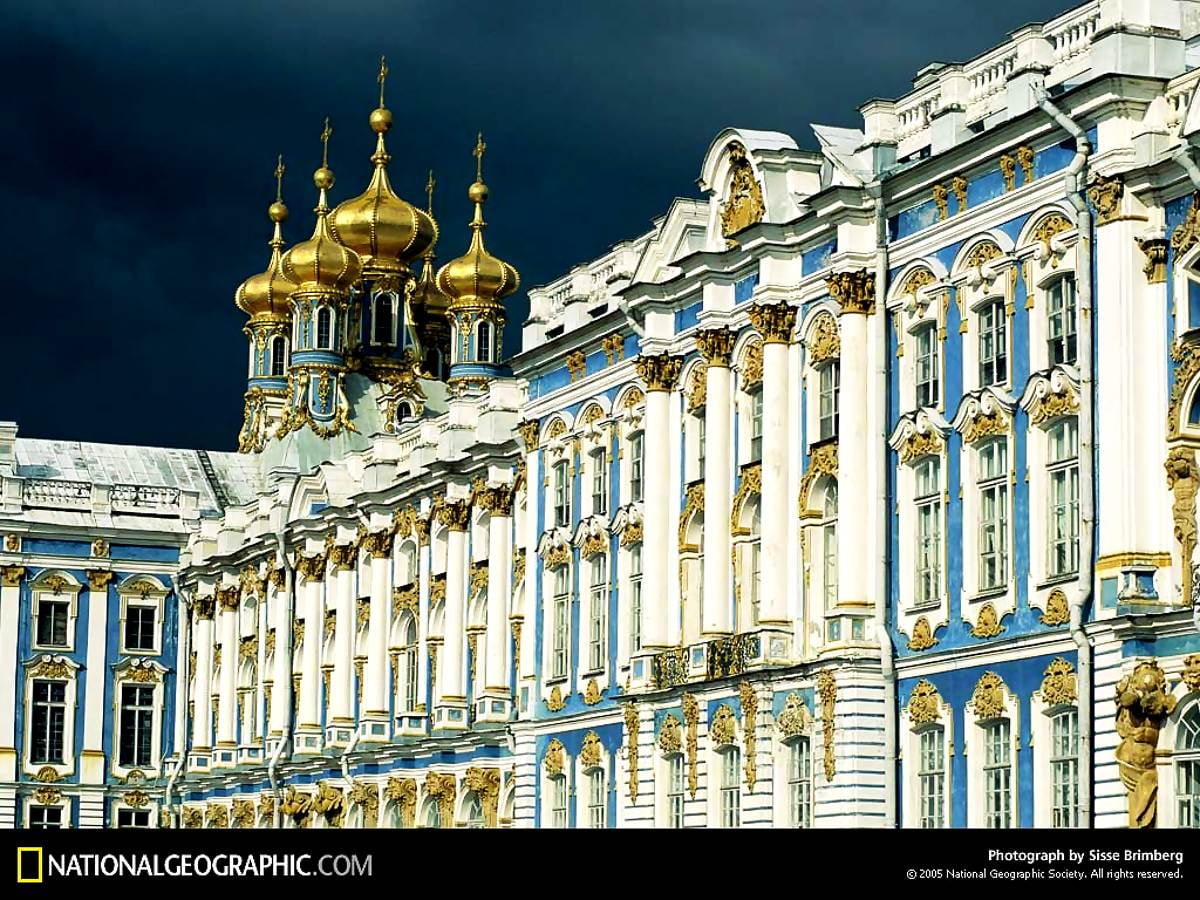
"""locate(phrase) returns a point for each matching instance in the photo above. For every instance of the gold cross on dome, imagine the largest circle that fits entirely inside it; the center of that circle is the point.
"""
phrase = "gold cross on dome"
(325, 135)
(429, 186)
(382, 77)
(279, 170)
(480, 146)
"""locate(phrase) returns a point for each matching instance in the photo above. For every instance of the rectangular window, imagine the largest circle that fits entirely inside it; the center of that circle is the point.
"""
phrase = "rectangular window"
(997, 774)
(1063, 464)
(993, 344)
(1064, 769)
(929, 531)
(52, 618)
(1193, 303)
(755, 577)
(675, 791)
(137, 725)
(562, 495)
(1187, 789)
(635, 468)
(1061, 329)
(731, 789)
(410, 679)
(133, 818)
(597, 801)
(599, 483)
(928, 367)
(932, 778)
(140, 627)
(756, 425)
(598, 612)
(701, 444)
(993, 515)
(800, 783)
(49, 721)
(635, 595)
(558, 795)
(830, 378)
(45, 817)
(558, 662)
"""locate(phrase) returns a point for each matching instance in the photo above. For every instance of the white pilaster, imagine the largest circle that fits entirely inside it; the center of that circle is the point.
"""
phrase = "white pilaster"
(451, 696)
(92, 756)
(375, 717)
(717, 347)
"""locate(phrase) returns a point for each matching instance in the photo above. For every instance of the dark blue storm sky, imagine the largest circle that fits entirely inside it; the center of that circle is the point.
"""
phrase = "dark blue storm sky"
(140, 138)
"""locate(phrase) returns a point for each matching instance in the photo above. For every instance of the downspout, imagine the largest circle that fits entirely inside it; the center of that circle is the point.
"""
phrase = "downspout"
(886, 650)
(285, 646)
(1075, 181)
(181, 703)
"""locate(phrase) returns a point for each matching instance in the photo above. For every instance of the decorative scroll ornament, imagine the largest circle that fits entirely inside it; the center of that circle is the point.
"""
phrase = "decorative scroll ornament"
(751, 367)
(749, 486)
(554, 761)
(557, 556)
(1008, 171)
(632, 721)
(749, 703)
(775, 322)
(51, 667)
(330, 802)
(670, 735)
(529, 430)
(1025, 159)
(10, 576)
(12, 543)
(982, 254)
(592, 695)
(485, 784)
(557, 428)
(1105, 194)
(251, 584)
(941, 199)
(591, 751)
(824, 341)
(218, 816)
(266, 805)
(660, 372)
(47, 775)
(576, 365)
(312, 567)
(958, 185)
(919, 444)
(437, 589)
(455, 514)
(193, 817)
(100, 548)
(988, 624)
(924, 704)
(632, 534)
(988, 698)
(827, 691)
(723, 728)
(693, 503)
(794, 720)
(1058, 685)
(56, 583)
(496, 500)
(1183, 480)
(442, 788)
(1191, 672)
(594, 545)
(47, 796)
(1155, 251)
(1186, 356)
(366, 795)
(853, 291)
(243, 813)
(1143, 705)
(1058, 611)
(403, 793)
(985, 425)
(691, 717)
(1187, 233)
(697, 392)
(614, 348)
(743, 206)
(1048, 404)
(716, 345)
(822, 461)
(556, 702)
(1049, 227)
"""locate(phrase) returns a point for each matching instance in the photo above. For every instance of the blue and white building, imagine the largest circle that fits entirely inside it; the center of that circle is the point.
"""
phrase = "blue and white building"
(858, 491)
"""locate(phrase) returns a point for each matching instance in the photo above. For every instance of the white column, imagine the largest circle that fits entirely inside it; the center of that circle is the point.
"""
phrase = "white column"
(10, 603)
(424, 568)
(182, 675)
(92, 756)
(227, 611)
(313, 570)
(716, 345)
(495, 672)
(451, 697)
(534, 499)
(377, 671)
(281, 693)
(260, 668)
(202, 716)
(341, 684)
(775, 323)
(661, 375)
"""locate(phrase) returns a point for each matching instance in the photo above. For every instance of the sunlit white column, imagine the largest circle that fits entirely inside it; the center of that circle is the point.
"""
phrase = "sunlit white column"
(202, 608)
(375, 720)
(308, 728)
(716, 345)
(495, 690)
(451, 696)
(343, 558)
(228, 598)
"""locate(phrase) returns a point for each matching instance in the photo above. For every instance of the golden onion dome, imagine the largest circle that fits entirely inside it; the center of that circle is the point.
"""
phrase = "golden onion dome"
(388, 232)
(264, 296)
(322, 264)
(427, 297)
(477, 278)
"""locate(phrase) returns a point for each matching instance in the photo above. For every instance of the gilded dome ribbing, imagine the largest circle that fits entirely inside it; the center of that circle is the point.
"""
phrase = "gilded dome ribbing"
(264, 296)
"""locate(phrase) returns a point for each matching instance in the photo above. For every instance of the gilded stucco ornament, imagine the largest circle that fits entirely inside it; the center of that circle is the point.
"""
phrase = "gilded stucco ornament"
(362, 613)
(958, 185)
(743, 204)
(822, 461)
(455, 514)
(1183, 480)
(659, 372)
(576, 365)
(1058, 685)
(51, 667)
(193, 817)
(135, 799)
(1058, 611)
(266, 805)
(1049, 228)
(924, 704)
(985, 425)
(941, 200)
(404, 599)
(1008, 171)
(824, 341)
(366, 795)
(485, 784)
(529, 430)
(442, 788)
(100, 548)
(749, 486)
(518, 565)
(988, 697)
(594, 544)
(1190, 676)
(243, 814)
(670, 735)
(1025, 159)
(751, 367)
(853, 291)
(330, 802)
(591, 751)
(749, 703)
(557, 556)
(794, 719)
(1186, 356)
(697, 390)
(632, 721)
(921, 443)
(217, 816)
(827, 691)
(716, 345)
(10, 576)
(1187, 233)
(988, 624)
(774, 322)
(693, 503)
(614, 348)
(723, 728)
(1105, 194)
(12, 543)
(1143, 705)
(1051, 398)
(554, 760)
(479, 578)
(99, 579)
(403, 793)
(1155, 251)
(632, 534)
(437, 589)
(691, 717)
(556, 702)
(592, 695)
(47, 796)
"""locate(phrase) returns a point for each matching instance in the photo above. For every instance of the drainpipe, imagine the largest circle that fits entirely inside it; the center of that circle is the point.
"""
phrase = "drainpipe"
(886, 650)
(181, 703)
(1183, 156)
(346, 756)
(1075, 181)
(284, 644)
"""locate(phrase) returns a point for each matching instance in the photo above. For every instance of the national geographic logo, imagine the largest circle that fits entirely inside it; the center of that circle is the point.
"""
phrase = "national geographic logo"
(29, 865)
(33, 865)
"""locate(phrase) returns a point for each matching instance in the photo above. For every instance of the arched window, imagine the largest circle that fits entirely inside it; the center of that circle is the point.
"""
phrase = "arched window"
(1187, 768)
(324, 328)
(598, 462)
(1063, 513)
(432, 814)
(931, 777)
(474, 812)
(756, 424)
(403, 411)
(692, 558)
(1194, 410)
(731, 788)
(483, 342)
(558, 801)
(407, 668)
(383, 319)
(279, 355)
(829, 546)
(433, 362)
(997, 773)
(562, 494)
(800, 782)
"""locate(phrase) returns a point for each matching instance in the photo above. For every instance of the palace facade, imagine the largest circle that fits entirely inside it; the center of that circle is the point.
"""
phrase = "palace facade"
(859, 490)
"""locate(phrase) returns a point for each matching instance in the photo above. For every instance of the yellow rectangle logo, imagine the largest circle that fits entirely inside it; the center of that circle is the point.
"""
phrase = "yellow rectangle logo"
(29, 865)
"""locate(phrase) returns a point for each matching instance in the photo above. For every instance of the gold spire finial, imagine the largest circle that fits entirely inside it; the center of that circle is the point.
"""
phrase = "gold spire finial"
(429, 186)
(326, 134)
(480, 146)
(277, 211)
(382, 77)
(279, 170)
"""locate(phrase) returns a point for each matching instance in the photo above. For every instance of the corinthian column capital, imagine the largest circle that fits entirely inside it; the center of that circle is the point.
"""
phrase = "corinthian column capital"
(716, 345)
(853, 291)
(774, 321)
(660, 372)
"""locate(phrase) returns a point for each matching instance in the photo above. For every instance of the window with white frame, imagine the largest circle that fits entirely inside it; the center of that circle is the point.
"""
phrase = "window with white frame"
(483, 342)
(136, 744)
(140, 634)
(558, 801)
(408, 664)
(829, 546)
(53, 620)
(597, 801)
(45, 817)
(560, 620)
(433, 814)
(383, 319)
(675, 790)
(929, 530)
(997, 773)
(279, 355)
(324, 328)
(635, 598)
(753, 585)
(1063, 494)
(731, 788)
(474, 811)
(993, 515)
(701, 443)
(756, 424)
(636, 457)
(993, 344)
(800, 782)
(562, 494)
(931, 777)
(1060, 321)
(1187, 768)
(829, 378)
(1064, 768)
(1192, 271)
(133, 818)
(48, 728)
(928, 365)
(597, 611)
(599, 467)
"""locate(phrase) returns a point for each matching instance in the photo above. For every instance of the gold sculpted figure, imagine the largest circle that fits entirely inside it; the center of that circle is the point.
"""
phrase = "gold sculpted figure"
(1142, 705)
